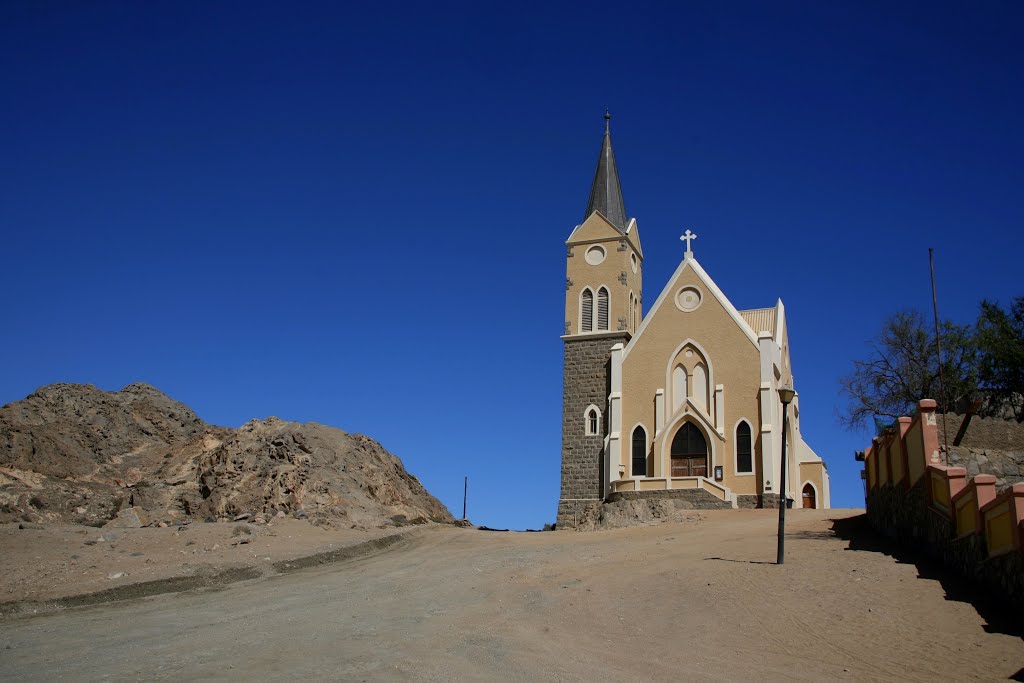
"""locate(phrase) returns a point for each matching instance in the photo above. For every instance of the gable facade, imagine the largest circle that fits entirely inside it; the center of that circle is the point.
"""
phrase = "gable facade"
(688, 392)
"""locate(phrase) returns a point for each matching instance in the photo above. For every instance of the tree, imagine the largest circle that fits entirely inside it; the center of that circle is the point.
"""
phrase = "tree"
(1000, 339)
(903, 368)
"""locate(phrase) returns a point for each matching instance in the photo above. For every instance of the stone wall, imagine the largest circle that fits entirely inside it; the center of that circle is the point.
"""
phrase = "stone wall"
(937, 510)
(644, 508)
(990, 433)
(585, 381)
(1006, 466)
(987, 446)
(906, 516)
(767, 500)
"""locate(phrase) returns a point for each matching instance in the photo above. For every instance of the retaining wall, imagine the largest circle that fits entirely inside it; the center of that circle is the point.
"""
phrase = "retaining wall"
(969, 522)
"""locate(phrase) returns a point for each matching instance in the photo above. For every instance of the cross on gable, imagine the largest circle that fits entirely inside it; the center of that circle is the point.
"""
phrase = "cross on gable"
(688, 237)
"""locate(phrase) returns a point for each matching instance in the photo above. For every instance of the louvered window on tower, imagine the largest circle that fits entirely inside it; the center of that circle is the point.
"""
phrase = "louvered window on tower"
(602, 309)
(587, 307)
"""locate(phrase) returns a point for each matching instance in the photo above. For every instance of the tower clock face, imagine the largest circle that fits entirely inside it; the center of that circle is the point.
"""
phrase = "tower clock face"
(595, 255)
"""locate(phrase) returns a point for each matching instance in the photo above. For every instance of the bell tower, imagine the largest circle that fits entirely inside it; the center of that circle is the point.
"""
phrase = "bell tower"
(603, 296)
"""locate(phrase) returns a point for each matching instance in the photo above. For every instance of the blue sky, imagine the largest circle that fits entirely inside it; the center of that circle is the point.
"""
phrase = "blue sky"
(355, 214)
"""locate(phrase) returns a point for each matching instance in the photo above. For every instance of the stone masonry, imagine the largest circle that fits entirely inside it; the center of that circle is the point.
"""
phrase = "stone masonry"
(585, 382)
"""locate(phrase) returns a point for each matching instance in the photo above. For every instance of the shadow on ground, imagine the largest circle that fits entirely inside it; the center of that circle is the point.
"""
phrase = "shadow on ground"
(997, 613)
(726, 559)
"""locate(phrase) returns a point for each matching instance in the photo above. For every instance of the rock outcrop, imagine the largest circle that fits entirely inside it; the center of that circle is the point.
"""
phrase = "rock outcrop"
(74, 453)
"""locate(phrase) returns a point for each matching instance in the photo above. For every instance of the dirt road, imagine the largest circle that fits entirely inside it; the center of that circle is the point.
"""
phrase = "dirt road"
(699, 601)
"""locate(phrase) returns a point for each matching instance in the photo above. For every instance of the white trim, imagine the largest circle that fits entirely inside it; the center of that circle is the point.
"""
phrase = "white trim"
(593, 303)
(780, 318)
(586, 421)
(712, 288)
(735, 452)
(596, 335)
(597, 308)
(634, 237)
(666, 444)
(647, 450)
(671, 366)
(659, 413)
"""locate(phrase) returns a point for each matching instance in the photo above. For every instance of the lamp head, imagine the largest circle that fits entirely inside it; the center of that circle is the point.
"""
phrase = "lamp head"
(786, 394)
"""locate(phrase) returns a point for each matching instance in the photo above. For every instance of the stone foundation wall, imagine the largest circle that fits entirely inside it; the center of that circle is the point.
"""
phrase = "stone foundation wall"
(767, 500)
(585, 382)
(690, 499)
(644, 508)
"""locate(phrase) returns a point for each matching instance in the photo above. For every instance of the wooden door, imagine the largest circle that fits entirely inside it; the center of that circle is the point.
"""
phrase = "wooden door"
(689, 453)
(809, 497)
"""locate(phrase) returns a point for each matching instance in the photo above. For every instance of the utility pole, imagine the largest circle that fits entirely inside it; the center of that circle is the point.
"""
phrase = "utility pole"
(938, 347)
(465, 490)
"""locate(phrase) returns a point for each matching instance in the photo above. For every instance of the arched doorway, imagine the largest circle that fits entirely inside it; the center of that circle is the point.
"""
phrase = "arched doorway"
(689, 453)
(810, 500)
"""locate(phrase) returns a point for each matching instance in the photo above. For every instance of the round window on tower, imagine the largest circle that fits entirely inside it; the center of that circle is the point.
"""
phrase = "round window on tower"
(595, 255)
(688, 299)
(633, 261)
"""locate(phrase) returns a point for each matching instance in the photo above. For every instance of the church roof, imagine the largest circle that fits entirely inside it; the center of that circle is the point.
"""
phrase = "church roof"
(760, 319)
(606, 193)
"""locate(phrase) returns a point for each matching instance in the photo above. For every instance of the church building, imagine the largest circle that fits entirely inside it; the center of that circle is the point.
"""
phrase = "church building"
(680, 400)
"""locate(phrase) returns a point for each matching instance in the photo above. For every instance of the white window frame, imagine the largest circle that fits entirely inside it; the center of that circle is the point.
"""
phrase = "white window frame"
(736, 451)
(586, 421)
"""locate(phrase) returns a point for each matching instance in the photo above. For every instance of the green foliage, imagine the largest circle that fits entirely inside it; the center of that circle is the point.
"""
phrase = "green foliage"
(1000, 339)
(903, 368)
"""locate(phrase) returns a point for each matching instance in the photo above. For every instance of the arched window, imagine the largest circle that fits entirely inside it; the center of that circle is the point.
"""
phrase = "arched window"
(593, 422)
(587, 311)
(689, 452)
(630, 318)
(744, 450)
(699, 391)
(678, 387)
(639, 452)
(602, 309)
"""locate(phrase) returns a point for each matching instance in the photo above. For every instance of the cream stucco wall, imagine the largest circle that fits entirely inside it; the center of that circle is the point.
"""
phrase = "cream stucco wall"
(619, 252)
(733, 362)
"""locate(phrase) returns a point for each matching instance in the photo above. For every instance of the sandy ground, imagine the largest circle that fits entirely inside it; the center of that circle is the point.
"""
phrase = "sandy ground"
(699, 601)
(41, 563)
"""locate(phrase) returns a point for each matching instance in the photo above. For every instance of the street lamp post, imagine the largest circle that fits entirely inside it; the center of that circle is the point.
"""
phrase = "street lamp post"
(786, 395)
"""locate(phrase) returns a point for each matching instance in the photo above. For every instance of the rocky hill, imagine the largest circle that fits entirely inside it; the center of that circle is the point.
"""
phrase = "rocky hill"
(75, 453)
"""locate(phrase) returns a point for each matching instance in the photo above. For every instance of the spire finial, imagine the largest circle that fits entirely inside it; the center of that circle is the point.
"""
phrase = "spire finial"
(605, 192)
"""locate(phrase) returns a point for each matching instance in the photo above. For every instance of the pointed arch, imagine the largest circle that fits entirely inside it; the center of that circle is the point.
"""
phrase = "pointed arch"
(689, 452)
(678, 387)
(639, 451)
(602, 309)
(743, 447)
(700, 387)
(592, 421)
(704, 359)
(809, 496)
(586, 310)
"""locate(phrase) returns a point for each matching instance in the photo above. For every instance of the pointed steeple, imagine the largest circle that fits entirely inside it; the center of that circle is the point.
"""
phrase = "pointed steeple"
(606, 193)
